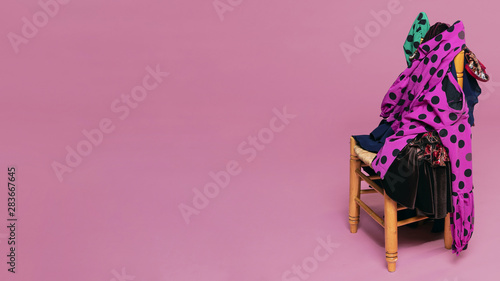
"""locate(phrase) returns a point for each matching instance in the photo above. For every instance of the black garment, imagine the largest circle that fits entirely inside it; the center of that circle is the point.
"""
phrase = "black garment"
(376, 139)
(417, 184)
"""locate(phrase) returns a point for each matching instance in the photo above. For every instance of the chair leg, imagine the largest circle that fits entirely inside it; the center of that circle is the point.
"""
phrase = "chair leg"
(354, 189)
(448, 239)
(391, 232)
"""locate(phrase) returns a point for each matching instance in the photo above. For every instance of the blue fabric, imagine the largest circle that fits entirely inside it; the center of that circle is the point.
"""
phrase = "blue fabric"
(376, 139)
(471, 91)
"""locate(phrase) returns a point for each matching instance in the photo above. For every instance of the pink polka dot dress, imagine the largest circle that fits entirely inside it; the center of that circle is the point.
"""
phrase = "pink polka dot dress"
(426, 97)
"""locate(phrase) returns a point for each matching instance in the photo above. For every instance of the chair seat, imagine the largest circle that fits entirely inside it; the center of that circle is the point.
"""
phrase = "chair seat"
(364, 155)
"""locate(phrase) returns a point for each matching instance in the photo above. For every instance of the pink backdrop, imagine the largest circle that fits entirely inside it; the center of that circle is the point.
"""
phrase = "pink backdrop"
(254, 114)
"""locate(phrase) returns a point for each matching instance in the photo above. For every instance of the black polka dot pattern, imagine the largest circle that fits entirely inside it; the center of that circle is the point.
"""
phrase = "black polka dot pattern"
(453, 139)
(435, 100)
(417, 102)
(468, 156)
(461, 143)
(468, 173)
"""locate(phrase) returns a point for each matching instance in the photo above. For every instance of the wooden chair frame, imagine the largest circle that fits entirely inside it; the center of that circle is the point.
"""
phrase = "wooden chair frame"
(390, 221)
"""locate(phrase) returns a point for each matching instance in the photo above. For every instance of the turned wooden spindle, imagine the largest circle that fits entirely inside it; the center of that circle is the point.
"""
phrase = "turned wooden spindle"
(354, 188)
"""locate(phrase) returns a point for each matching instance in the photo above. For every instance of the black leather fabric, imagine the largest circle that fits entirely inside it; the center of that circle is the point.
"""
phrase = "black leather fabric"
(417, 184)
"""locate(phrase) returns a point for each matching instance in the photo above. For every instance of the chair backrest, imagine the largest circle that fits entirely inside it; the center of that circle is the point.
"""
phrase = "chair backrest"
(459, 67)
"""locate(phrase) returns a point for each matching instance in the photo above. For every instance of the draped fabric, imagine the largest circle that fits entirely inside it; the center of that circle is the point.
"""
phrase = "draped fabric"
(426, 97)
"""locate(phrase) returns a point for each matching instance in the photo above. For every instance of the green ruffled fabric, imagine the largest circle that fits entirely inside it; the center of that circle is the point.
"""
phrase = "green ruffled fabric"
(417, 32)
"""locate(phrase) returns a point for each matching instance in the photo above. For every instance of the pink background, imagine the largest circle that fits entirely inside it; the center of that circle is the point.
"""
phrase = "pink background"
(119, 209)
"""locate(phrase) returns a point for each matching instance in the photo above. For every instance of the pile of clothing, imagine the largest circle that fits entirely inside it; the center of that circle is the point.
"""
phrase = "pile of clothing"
(423, 143)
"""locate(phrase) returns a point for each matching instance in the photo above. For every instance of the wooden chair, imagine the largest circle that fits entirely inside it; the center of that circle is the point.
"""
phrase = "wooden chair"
(360, 158)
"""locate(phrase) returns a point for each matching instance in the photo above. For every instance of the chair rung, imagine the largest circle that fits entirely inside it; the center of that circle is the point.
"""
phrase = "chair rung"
(380, 221)
(370, 212)
(366, 191)
(410, 220)
(376, 188)
(369, 181)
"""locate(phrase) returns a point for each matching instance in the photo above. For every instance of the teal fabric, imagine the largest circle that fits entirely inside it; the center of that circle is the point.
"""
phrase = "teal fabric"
(417, 32)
